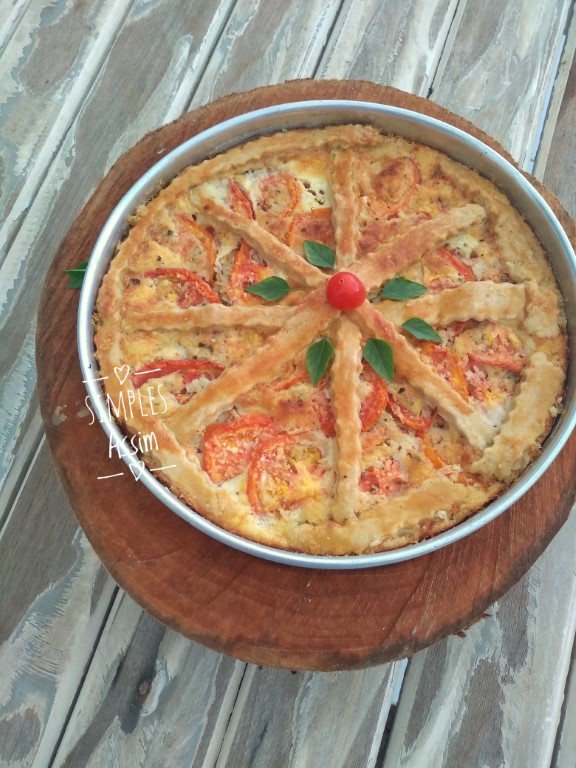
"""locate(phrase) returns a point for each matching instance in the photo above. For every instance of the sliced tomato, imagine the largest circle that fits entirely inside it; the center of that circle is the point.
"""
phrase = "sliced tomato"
(448, 365)
(245, 272)
(191, 288)
(279, 194)
(315, 225)
(429, 451)
(375, 401)
(393, 187)
(285, 471)
(190, 370)
(504, 360)
(204, 237)
(384, 480)
(229, 447)
(501, 350)
(406, 417)
(371, 407)
(240, 200)
(191, 241)
(463, 270)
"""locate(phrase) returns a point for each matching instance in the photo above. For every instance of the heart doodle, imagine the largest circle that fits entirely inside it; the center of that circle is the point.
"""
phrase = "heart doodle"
(137, 469)
(122, 373)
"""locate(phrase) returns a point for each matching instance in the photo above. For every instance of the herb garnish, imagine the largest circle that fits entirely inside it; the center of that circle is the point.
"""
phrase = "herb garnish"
(420, 329)
(76, 275)
(319, 255)
(271, 288)
(378, 354)
(317, 358)
(400, 289)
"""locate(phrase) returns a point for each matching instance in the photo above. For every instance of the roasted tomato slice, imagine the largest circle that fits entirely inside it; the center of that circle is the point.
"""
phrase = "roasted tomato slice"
(374, 400)
(393, 187)
(384, 480)
(463, 269)
(245, 272)
(229, 447)
(240, 200)
(448, 365)
(315, 225)
(406, 417)
(286, 471)
(279, 194)
(190, 370)
(191, 241)
(501, 349)
(190, 288)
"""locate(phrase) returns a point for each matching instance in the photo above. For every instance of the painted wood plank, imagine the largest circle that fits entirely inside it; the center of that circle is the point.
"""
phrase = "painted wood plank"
(151, 698)
(498, 65)
(265, 43)
(287, 719)
(556, 163)
(54, 597)
(148, 78)
(393, 43)
(493, 698)
(565, 748)
(48, 65)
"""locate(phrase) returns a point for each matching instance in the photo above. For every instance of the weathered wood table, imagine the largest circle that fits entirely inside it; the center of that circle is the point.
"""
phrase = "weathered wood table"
(86, 676)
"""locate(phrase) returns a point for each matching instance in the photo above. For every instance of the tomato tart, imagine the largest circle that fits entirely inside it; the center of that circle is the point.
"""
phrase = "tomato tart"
(334, 341)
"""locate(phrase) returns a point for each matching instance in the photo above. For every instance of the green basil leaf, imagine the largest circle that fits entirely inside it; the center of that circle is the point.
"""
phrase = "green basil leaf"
(421, 330)
(378, 353)
(271, 288)
(319, 254)
(400, 289)
(317, 358)
(76, 275)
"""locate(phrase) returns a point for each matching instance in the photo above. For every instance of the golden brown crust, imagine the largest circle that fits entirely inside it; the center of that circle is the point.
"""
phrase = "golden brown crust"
(214, 380)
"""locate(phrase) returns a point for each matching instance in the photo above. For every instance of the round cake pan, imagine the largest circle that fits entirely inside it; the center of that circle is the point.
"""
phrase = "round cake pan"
(455, 143)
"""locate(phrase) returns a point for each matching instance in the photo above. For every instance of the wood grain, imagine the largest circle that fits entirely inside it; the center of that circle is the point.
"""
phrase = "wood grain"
(476, 700)
(296, 625)
(150, 697)
(53, 600)
(498, 71)
(284, 719)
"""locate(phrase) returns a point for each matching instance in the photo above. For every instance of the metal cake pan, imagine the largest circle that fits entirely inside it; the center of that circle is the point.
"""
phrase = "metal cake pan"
(455, 143)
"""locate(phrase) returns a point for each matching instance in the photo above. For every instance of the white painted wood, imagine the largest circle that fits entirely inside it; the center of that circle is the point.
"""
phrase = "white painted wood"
(53, 600)
(565, 748)
(104, 127)
(267, 42)
(292, 719)
(151, 698)
(393, 43)
(497, 67)
(494, 697)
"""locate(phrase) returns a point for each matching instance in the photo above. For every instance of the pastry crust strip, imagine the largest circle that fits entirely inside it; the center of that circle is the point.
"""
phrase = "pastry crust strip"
(345, 382)
(480, 300)
(208, 316)
(439, 393)
(273, 251)
(314, 316)
(391, 258)
(345, 209)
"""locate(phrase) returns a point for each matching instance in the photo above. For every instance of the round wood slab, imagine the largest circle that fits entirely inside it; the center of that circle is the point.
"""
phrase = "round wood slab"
(253, 609)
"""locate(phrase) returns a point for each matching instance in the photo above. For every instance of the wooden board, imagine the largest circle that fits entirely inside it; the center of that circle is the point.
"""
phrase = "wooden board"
(240, 605)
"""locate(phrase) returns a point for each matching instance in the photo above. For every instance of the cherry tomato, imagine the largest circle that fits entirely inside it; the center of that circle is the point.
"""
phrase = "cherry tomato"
(345, 291)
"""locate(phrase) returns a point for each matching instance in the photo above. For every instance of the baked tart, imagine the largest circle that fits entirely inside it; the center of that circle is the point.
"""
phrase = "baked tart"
(332, 341)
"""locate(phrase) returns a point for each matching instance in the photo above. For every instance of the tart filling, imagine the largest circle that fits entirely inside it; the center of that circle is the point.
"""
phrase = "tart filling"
(337, 341)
